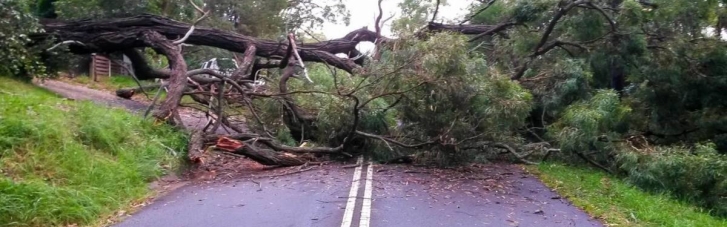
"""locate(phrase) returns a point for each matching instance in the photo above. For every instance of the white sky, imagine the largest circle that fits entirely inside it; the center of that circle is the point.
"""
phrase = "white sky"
(363, 13)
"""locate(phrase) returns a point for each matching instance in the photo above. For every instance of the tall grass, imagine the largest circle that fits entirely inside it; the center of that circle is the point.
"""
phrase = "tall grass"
(618, 203)
(63, 162)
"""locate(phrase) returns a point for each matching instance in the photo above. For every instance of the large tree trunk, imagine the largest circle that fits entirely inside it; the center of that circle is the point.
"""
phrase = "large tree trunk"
(121, 34)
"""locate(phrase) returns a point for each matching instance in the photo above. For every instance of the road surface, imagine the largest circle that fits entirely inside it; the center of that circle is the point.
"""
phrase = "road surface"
(367, 195)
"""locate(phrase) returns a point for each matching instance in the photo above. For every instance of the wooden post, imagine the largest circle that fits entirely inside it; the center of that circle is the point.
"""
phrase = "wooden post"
(110, 64)
(93, 67)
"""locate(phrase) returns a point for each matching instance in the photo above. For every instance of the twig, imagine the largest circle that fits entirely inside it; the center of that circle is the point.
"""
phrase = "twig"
(174, 153)
(259, 186)
(153, 103)
(133, 75)
(594, 163)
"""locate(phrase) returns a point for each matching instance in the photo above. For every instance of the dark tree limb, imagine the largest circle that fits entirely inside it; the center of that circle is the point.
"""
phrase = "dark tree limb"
(120, 34)
(268, 157)
(436, 10)
(178, 73)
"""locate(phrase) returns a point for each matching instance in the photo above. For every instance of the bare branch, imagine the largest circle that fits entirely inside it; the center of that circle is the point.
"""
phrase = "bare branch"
(199, 9)
(291, 38)
(194, 25)
(520, 157)
(64, 43)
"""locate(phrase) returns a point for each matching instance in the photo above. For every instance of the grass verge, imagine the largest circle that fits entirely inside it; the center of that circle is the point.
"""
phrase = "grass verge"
(618, 203)
(66, 163)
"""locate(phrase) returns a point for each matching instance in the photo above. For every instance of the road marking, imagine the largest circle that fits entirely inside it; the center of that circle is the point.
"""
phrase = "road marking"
(368, 190)
(351, 204)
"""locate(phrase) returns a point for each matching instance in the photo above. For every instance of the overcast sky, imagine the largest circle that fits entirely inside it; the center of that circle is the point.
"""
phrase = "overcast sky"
(363, 13)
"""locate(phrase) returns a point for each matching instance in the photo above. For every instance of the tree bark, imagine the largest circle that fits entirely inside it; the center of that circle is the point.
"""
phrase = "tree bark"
(177, 73)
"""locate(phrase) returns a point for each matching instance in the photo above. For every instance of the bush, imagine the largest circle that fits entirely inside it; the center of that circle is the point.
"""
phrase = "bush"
(585, 124)
(698, 175)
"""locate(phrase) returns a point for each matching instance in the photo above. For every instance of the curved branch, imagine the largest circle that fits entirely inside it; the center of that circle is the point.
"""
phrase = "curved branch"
(64, 43)
(389, 140)
(554, 21)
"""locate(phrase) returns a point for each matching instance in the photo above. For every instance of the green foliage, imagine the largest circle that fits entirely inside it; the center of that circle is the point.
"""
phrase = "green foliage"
(17, 58)
(617, 202)
(587, 126)
(77, 168)
(528, 10)
(45, 9)
(698, 176)
(76, 9)
(415, 14)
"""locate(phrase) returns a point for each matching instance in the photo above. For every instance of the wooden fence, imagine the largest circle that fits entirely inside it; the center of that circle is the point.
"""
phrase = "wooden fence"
(102, 66)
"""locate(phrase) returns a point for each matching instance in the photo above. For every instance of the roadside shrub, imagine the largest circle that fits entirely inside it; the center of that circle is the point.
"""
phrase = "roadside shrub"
(588, 125)
(697, 175)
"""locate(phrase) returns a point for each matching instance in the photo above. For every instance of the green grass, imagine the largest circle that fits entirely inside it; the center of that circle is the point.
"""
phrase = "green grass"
(618, 203)
(65, 162)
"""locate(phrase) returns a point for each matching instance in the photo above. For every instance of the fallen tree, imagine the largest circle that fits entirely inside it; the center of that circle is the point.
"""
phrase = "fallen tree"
(217, 92)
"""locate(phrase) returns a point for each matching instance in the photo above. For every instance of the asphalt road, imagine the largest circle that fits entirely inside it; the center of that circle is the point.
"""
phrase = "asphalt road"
(368, 195)
(381, 196)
